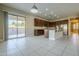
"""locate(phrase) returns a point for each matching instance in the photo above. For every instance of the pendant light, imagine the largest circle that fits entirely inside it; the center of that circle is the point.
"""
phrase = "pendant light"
(34, 9)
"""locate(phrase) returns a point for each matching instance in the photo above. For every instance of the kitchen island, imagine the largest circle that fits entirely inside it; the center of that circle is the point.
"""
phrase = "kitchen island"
(52, 34)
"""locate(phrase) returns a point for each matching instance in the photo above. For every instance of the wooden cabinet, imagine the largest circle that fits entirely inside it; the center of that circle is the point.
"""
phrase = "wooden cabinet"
(38, 22)
(43, 23)
(35, 22)
(61, 22)
(49, 24)
(46, 24)
(52, 24)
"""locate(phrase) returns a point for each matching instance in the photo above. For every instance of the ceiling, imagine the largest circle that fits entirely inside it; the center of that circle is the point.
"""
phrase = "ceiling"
(50, 11)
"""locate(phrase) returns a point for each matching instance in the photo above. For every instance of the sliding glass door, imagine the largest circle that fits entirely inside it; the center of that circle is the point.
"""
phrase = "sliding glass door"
(16, 26)
(21, 26)
(12, 26)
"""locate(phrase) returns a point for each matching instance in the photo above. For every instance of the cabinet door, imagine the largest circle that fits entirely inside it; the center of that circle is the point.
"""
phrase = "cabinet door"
(46, 23)
(41, 23)
(38, 22)
(35, 22)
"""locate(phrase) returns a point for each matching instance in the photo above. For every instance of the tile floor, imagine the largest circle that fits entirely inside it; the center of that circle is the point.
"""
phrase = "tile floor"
(40, 46)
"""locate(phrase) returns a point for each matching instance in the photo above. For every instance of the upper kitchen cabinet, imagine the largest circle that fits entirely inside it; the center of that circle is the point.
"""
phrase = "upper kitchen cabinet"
(40, 23)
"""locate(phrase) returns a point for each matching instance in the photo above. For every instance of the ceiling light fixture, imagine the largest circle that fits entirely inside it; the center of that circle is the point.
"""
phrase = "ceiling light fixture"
(34, 9)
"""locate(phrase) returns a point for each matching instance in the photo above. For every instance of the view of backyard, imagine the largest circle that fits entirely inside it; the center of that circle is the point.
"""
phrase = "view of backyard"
(16, 28)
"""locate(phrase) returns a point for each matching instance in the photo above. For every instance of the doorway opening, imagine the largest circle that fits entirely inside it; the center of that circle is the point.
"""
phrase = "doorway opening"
(74, 26)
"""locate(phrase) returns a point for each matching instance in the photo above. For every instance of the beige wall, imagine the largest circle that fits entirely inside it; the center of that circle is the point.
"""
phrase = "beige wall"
(30, 25)
(69, 27)
(1, 25)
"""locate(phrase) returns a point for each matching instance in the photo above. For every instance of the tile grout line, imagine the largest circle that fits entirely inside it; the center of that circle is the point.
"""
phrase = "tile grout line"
(77, 51)
(64, 50)
(19, 49)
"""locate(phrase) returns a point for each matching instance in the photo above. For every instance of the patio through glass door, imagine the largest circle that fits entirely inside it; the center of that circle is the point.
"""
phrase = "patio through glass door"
(16, 26)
